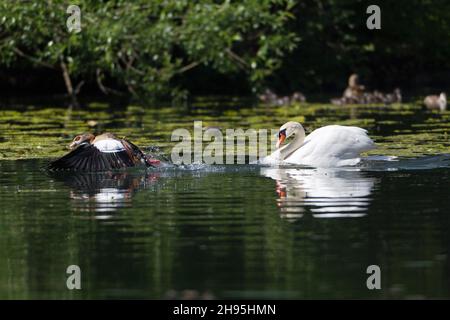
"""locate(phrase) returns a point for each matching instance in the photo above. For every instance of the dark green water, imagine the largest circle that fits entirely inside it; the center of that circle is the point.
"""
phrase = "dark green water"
(227, 231)
(234, 231)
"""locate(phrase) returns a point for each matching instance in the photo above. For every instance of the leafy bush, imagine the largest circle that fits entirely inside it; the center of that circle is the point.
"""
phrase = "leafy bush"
(142, 45)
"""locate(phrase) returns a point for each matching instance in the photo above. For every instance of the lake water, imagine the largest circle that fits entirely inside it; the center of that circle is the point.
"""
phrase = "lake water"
(225, 231)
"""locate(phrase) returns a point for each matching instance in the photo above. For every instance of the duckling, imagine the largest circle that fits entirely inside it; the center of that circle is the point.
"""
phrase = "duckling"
(101, 153)
(436, 102)
(394, 97)
(297, 97)
(337, 101)
(269, 97)
(353, 94)
(283, 101)
(398, 95)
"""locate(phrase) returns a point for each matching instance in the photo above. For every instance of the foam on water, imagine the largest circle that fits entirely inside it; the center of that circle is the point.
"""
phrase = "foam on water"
(371, 163)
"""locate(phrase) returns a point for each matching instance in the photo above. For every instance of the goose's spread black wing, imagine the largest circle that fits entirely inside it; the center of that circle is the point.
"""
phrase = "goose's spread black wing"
(88, 158)
(137, 153)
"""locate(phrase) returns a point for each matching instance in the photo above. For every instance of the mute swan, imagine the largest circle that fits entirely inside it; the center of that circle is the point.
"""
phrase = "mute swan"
(100, 153)
(329, 146)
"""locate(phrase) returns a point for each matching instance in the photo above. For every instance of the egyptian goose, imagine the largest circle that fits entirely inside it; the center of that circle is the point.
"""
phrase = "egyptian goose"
(101, 153)
(436, 102)
(354, 89)
(357, 94)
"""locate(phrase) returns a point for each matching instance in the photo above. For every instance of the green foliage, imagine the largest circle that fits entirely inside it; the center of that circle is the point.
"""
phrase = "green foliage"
(410, 50)
(142, 45)
(163, 47)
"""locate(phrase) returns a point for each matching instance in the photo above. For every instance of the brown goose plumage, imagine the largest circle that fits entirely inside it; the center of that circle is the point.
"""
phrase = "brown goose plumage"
(101, 153)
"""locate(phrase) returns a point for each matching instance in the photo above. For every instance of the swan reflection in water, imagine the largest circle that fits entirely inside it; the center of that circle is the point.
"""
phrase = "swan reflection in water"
(105, 192)
(326, 193)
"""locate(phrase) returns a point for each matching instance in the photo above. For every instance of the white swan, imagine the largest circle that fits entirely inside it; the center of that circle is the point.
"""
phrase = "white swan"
(329, 146)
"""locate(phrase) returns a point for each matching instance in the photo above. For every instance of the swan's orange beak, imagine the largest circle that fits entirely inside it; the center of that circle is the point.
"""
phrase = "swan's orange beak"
(281, 138)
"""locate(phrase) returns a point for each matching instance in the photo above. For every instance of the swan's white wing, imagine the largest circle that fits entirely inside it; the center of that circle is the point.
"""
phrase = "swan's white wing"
(332, 146)
(340, 141)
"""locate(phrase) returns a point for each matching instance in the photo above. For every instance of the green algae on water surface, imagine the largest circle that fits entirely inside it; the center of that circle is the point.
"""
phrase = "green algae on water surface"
(37, 132)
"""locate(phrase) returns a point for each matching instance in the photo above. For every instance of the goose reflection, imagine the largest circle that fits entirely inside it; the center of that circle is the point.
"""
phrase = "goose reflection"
(326, 193)
(104, 192)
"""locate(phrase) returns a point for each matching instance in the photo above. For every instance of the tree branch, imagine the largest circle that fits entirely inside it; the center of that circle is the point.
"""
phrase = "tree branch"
(78, 87)
(102, 87)
(189, 67)
(32, 59)
(68, 82)
(241, 62)
(66, 77)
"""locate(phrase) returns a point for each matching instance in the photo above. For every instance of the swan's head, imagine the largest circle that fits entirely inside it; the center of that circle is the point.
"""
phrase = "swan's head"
(287, 130)
(80, 139)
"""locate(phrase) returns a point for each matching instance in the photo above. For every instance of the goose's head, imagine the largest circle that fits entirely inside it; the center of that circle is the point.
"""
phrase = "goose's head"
(288, 129)
(80, 139)
(353, 80)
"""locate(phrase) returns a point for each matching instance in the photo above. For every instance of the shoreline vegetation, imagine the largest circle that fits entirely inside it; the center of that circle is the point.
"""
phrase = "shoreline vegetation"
(153, 63)
(406, 130)
(172, 50)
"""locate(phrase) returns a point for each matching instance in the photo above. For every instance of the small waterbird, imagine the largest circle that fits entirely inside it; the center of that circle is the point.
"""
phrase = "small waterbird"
(101, 153)
(436, 102)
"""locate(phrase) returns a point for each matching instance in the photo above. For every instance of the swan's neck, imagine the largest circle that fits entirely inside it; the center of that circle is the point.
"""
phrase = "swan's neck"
(296, 143)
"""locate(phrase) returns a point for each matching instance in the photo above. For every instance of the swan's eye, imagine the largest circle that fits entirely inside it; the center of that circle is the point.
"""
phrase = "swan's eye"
(77, 138)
